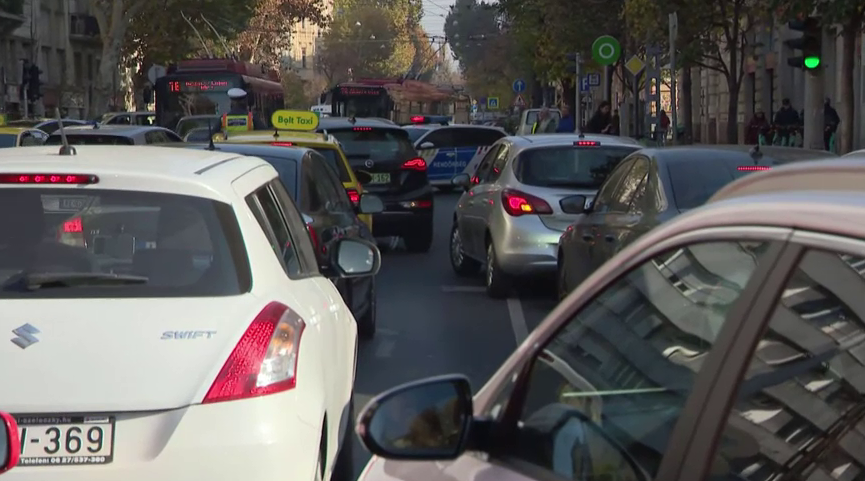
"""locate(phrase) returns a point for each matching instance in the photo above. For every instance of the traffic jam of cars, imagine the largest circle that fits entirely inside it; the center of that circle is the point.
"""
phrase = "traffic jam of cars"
(197, 300)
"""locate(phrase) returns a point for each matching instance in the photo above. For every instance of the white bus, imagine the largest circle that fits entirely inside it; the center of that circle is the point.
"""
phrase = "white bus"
(322, 109)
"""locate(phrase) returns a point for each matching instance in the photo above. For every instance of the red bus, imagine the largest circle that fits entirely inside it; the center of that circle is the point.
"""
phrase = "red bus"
(200, 87)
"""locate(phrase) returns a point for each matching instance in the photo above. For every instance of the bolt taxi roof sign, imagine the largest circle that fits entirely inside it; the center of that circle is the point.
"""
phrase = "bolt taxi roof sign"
(294, 120)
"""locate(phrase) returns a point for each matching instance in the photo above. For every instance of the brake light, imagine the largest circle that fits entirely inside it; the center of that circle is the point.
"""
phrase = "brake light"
(14, 446)
(48, 179)
(752, 168)
(586, 143)
(362, 129)
(476, 180)
(72, 226)
(353, 196)
(264, 360)
(415, 164)
(518, 203)
(282, 144)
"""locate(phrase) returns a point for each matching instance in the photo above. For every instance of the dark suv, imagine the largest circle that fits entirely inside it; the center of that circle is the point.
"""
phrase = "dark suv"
(396, 173)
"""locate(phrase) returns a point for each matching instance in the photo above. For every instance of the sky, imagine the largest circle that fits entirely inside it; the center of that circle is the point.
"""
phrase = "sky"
(434, 13)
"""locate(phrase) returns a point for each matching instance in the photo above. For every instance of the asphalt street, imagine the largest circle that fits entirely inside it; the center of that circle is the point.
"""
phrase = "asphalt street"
(431, 322)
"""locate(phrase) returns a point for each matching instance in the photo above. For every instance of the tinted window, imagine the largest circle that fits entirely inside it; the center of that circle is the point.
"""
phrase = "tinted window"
(329, 188)
(693, 183)
(375, 143)
(103, 139)
(287, 170)
(625, 364)
(8, 140)
(414, 134)
(578, 167)
(271, 219)
(331, 156)
(184, 246)
(198, 135)
(188, 124)
(469, 137)
(532, 116)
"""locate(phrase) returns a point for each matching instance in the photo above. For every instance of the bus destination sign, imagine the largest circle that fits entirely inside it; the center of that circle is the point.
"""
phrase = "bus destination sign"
(371, 91)
(176, 86)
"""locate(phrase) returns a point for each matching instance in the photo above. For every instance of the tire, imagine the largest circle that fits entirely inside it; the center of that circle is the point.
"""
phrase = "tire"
(498, 283)
(367, 322)
(419, 242)
(462, 265)
(343, 468)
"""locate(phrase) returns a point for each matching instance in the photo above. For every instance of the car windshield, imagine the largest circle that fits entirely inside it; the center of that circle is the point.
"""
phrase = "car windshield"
(375, 143)
(92, 139)
(187, 124)
(333, 158)
(8, 140)
(569, 166)
(414, 133)
(174, 245)
(693, 183)
(198, 135)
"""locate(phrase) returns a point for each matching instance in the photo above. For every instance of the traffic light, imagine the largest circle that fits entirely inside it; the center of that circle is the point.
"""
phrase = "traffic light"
(34, 86)
(810, 43)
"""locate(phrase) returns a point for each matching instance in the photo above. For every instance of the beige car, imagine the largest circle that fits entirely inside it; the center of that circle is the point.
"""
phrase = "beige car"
(726, 344)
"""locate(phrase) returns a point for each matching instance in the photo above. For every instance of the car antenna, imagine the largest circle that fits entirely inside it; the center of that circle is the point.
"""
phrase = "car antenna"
(65, 148)
(210, 145)
(275, 134)
(756, 154)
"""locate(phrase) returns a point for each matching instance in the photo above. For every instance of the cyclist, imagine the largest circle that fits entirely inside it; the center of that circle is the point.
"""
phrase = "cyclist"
(786, 122)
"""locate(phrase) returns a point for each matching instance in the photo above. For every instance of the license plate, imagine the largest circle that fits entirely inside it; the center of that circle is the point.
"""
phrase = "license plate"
(380, 179)
(65, 440)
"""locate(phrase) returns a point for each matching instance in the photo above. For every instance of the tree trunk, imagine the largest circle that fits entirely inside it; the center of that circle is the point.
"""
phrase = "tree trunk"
(846, 96)
(113, 24)
(686, 101)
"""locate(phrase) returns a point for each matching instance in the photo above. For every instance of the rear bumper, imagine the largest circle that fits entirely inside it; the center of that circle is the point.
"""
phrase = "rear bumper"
(525, 246)
(403, 216)
(259, 439)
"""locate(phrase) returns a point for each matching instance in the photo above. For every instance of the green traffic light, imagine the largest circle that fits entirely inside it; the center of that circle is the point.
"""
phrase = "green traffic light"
(812, 62)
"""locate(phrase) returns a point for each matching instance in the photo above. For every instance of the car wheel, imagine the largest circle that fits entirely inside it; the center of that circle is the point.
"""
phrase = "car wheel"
(497, 282)
(420, 241)
(366, 322)
(343, 469)
(464, 266)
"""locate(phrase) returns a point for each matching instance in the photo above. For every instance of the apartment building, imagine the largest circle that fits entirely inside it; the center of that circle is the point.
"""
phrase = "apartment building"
(62, 38)
(305, 39)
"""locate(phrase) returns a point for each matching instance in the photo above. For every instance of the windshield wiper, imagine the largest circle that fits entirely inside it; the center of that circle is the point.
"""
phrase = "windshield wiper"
(47, 280)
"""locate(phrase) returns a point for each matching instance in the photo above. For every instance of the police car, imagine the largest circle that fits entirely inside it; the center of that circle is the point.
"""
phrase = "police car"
(451, 149)
(187, 340)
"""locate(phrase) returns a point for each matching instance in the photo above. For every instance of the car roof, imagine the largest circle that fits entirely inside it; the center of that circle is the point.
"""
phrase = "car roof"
(328, 123)
(826, 175)
(523, 142)
(294, 153)
(312, 138)
(205, 173)
(119, 130)
(15, 130)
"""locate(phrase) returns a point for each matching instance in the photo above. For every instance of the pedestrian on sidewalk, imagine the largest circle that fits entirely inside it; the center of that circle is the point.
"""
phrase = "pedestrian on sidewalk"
(831, 120)
(601, 121)
(786, 122)
(544, 124)
(662, 128)
(759, 125)
(566, 123)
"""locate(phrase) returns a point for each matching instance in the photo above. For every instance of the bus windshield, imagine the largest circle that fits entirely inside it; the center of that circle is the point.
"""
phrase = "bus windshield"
(361, 101)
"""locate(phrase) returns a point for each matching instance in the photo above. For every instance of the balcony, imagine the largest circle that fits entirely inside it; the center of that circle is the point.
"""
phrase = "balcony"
(11, 15)
(83, 28)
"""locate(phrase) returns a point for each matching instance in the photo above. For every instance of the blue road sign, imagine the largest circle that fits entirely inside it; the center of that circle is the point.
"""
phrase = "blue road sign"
(594, 79)
(584, 84)
(519, 86)
(482, 100)
(492, 103)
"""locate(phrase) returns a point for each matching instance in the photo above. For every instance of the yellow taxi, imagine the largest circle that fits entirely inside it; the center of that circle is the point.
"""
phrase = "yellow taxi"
(324, 144)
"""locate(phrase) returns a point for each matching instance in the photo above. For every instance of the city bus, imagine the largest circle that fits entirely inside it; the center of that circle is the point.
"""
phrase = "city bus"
(200, 87)
(367, 98)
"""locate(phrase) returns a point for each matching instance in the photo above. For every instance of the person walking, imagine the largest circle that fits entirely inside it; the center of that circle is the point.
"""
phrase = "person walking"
(757, 128)
(831, 120)
(544, 124)
(566, 123)
(601, 121)
(662, 128)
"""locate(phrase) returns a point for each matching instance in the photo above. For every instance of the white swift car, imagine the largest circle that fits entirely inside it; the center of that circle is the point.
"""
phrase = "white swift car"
(164, 319)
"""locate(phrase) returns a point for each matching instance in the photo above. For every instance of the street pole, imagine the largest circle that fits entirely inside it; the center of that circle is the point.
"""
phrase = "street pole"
(578, 114)
(674, 106)
(26, 102)
(813, 135)
(607, 71)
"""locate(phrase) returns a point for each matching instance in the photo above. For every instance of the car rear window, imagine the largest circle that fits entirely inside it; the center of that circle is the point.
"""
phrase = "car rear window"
(335, 161)
(693, 183)
(376, 144)
(101, 139)
(287, 171)
(569, 166)
(65, 243)
(8, 140)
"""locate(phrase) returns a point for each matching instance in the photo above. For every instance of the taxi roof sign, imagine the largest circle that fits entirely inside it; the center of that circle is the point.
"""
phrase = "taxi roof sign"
(303, 120)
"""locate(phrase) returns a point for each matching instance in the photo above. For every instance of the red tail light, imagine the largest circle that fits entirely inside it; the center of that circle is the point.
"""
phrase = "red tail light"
(353, 196)
(476, 180)
(518, 203)
(752, 168)
(415, 164)
(362, 129)
(586, 143)
(282, 144)
(264, 360)
(48, 179)
(15, 445)
(72, 226)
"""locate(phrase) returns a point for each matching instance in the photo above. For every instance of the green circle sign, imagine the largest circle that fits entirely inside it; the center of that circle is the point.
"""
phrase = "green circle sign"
(606, 50)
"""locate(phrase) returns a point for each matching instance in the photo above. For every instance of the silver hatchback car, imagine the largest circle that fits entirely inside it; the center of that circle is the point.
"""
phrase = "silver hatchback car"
(517, 204)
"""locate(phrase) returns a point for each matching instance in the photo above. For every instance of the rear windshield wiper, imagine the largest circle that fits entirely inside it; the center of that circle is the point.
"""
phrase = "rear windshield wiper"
(43, 280)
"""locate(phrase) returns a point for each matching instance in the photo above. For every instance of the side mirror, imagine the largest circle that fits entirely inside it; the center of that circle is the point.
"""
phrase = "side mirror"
(427, 145)
(574, 204)
(10, 444)
(370, 204)
(363, 177)
(422, 420)
(462, 180)
(355, 258)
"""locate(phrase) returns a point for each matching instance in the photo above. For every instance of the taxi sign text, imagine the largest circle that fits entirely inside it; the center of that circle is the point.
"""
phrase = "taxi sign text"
(294, 120)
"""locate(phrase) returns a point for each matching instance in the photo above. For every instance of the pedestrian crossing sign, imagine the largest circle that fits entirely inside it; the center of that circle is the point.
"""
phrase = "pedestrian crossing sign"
(493, 103)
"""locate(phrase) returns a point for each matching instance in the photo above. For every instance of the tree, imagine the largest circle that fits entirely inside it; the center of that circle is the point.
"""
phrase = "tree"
(269, 33)
(426, 57)
(114, 18)
(294, 89)
(714, 34)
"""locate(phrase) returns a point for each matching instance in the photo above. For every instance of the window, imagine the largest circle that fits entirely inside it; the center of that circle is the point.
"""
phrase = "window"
(332, 157)
(182, 246)
(28, 139)
(303, 57)
(270, 218)
(415, 133)
(100, 139)
(378, 144)
(287, 171)
(296, 226)
(621, 198)
(441, 138)
(310, 197)
(498, 164)
(575, 167)
(9, 140)
(610, 187)
(620, 372)
(811, 363)
(487, 162)
(693, 183)
(475, 137)
(329, 188)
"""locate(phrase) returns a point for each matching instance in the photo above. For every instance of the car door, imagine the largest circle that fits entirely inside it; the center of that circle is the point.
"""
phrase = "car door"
(483, 200)
(618, 222)
(468, 215)
(605, 389)
(441, 157)
(337, 206)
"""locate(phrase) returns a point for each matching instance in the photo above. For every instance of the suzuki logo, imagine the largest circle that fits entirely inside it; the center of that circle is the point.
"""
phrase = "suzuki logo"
(25, 335)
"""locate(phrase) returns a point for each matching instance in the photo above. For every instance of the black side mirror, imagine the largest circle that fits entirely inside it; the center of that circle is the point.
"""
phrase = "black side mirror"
(575, 204)
(423, 420)
(10, 444)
